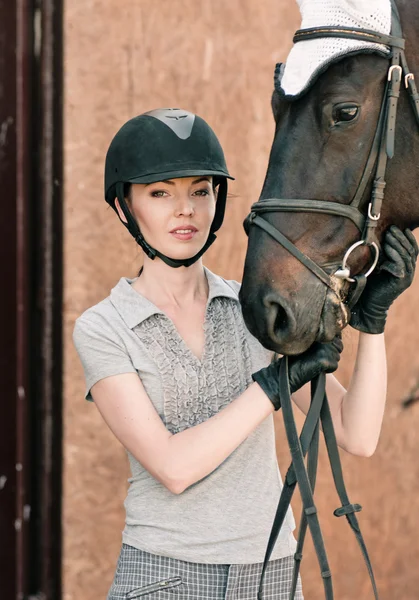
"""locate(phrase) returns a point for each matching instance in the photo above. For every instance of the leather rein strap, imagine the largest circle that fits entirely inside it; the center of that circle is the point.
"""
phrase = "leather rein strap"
(307, 444)
(300, 446)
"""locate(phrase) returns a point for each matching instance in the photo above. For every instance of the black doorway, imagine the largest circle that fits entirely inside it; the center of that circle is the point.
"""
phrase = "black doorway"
(30, 299)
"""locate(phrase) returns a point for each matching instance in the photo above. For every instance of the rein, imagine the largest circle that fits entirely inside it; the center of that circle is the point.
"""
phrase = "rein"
(307, 444)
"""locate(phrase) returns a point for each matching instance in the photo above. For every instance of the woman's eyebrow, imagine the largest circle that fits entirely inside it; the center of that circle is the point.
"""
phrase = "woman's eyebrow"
(201, 179)
(170, 182)
(162, 181)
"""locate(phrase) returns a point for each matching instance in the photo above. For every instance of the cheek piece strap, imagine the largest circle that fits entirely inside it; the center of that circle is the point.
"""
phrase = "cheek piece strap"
(151, 252)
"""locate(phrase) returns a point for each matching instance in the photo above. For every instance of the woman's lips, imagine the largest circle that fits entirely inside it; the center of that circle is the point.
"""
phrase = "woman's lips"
(184, 233)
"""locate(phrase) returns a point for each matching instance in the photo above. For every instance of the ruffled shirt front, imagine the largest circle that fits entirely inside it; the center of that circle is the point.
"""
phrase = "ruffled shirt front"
(227, 516)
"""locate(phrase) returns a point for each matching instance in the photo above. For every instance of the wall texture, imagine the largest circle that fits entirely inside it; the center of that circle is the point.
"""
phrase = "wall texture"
(215, 58)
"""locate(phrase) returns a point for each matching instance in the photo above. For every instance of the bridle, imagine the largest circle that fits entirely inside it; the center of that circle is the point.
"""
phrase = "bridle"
(307, 443)
(382, 149)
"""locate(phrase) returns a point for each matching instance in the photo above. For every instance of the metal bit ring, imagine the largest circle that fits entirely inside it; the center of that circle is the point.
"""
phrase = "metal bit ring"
(345, 273)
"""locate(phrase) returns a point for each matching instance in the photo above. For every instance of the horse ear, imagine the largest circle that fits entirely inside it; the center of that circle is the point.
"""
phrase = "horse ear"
(275, 104)
(279, 70)
(278, 74)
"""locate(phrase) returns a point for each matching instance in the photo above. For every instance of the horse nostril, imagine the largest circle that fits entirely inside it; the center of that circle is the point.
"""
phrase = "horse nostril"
(279, 317)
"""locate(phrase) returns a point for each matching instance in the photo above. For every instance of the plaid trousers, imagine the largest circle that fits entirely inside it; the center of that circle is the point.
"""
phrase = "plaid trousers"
(143, 575)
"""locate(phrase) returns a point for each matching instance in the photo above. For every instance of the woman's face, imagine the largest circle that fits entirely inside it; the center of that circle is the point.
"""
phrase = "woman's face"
(174, 216)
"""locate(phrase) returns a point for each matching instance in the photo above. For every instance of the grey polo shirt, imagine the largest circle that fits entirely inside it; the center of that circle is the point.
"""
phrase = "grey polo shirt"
(227, 516)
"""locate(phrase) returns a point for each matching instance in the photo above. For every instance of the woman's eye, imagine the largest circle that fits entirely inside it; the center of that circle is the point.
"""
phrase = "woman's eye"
(158, 193)
(343, 113)
(202, 192)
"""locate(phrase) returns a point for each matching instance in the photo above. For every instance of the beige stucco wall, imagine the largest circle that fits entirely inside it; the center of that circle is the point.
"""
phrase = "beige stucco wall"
(216, 58)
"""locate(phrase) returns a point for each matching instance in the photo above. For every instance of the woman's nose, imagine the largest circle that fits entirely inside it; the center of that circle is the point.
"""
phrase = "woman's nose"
(185, 206)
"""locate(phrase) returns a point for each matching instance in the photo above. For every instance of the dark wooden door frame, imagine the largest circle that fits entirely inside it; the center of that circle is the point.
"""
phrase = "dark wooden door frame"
(30, 299)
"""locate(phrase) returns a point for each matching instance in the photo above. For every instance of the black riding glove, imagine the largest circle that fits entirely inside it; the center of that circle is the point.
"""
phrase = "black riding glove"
(391, 279)
(319, 358)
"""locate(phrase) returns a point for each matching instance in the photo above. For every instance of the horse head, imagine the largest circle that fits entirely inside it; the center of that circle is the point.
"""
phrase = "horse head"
(328, 145)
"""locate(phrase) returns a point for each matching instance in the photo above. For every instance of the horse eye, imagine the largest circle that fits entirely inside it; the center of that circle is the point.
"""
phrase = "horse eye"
(343, 113)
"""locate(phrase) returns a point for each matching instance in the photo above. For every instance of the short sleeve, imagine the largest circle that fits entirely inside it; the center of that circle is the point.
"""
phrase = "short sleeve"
(101, 352)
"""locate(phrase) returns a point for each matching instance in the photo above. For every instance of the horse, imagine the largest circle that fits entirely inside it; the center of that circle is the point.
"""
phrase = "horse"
(322, 151)
(316, 230)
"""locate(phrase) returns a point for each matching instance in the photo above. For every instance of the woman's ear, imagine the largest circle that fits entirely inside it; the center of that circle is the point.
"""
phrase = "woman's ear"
(215, 186)
(120, 211)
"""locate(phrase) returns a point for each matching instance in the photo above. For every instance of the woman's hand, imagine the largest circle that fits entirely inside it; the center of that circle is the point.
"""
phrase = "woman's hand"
(319, 358)
(393, 277)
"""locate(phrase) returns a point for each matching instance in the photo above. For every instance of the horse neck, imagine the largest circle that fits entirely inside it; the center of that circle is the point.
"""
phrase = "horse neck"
(409, 17)
(403, 174)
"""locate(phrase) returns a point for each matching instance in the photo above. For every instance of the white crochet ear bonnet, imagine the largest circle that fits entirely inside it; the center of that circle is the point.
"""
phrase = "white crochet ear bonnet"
(308, 58)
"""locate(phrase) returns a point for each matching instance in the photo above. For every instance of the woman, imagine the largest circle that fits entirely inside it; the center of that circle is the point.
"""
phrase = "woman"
(169, 364)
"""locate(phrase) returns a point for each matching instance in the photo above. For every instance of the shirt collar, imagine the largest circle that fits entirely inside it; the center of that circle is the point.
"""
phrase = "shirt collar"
(135, 308)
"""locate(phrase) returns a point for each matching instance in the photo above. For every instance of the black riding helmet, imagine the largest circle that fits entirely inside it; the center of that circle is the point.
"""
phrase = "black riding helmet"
(164, 144)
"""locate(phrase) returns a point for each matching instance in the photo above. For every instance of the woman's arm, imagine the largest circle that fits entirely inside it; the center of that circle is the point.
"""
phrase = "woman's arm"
(358, 412)
(179, 460)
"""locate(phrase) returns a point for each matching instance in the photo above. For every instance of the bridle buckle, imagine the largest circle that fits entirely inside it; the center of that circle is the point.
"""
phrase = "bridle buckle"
(371, 216)
(408, 77)
(394, 68)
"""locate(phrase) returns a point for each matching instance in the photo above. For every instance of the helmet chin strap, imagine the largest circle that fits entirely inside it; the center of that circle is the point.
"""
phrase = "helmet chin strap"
(151, 252)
